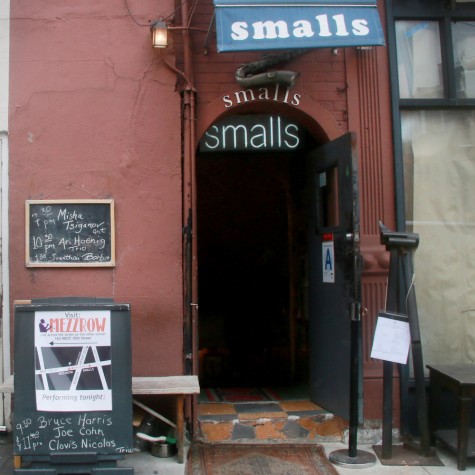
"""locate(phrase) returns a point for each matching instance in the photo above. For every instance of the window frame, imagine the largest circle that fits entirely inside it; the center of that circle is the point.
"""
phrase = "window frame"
(445, 12)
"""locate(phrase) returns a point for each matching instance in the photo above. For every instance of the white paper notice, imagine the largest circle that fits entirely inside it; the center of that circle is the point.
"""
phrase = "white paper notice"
(392, 340)
(73, 361)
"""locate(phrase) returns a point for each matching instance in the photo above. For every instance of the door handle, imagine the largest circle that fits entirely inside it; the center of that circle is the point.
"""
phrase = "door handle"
(352, 237)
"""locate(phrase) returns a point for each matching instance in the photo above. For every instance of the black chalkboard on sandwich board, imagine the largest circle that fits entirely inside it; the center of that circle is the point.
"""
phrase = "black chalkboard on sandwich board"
(73, 382)
(70, 233)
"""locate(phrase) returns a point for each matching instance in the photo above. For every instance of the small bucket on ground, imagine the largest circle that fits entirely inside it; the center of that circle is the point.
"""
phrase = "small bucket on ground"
(162, 449)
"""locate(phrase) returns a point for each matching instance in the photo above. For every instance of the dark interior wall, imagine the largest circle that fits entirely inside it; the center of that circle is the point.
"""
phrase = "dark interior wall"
(244, 258)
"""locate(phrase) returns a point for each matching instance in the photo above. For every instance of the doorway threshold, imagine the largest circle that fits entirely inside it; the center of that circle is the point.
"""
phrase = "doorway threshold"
(268, 420)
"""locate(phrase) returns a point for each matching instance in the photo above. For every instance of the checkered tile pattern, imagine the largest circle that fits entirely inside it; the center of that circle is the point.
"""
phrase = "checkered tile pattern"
(268, 420)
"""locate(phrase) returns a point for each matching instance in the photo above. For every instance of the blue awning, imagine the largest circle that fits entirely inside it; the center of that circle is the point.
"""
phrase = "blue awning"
(279, 24)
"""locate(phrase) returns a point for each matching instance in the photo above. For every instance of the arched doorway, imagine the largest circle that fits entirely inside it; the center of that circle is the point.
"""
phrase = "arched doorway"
(251, 211)
(278, 252)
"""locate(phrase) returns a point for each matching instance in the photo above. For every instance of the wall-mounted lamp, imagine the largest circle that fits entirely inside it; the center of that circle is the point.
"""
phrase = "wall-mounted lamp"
(159, 31)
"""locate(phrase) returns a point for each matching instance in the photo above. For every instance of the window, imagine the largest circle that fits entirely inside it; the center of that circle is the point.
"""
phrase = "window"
(328, 206)
(419, 59)
(464, 58)
(433, 70)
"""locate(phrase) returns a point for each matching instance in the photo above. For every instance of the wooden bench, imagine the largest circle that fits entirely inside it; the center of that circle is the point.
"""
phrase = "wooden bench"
(178, 386)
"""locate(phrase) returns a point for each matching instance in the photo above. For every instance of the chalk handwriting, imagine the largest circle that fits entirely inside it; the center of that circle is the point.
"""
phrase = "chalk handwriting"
(82, 431)
(72, 233)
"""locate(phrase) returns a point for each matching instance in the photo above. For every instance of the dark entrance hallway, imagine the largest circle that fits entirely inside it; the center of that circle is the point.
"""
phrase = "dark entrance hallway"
(251, 241)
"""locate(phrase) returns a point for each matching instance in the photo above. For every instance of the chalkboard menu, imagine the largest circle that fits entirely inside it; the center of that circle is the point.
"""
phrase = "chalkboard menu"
(73, 383)
(70, 233)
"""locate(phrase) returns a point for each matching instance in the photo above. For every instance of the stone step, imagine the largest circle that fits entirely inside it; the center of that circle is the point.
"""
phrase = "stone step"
(268, 421)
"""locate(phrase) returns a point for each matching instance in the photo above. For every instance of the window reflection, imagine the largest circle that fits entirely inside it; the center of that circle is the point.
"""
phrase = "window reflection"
(464, 57)
(419, 60)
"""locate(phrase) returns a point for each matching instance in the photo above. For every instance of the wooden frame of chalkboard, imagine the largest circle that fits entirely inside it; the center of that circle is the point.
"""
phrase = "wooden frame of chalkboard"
(70, 233)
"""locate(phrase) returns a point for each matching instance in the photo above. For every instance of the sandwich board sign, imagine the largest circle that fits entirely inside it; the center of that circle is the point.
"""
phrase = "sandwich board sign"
(73, 386)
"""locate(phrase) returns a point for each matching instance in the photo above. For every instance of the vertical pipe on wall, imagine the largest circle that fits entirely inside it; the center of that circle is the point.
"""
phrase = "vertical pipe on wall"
(189, 247)
(191, 268)
(190, 327)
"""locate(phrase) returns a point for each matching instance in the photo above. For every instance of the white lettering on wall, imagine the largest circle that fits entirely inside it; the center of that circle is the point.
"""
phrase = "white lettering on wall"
(252, 133)
(275, 93)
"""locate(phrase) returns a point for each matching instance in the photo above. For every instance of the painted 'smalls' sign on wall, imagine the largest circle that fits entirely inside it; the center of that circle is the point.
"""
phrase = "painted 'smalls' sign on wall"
(278, 24)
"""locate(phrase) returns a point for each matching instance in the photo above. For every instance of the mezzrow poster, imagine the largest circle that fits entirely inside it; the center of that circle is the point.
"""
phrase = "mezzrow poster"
(73, 361)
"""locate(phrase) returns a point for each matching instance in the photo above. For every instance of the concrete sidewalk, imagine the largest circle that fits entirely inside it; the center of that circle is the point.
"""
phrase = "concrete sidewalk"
(447, 458)
(144, 463)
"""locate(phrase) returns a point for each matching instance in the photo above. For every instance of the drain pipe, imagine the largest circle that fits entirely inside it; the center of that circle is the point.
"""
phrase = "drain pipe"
(189, 238)
(190, 248)
(189, 204)
(190, 234)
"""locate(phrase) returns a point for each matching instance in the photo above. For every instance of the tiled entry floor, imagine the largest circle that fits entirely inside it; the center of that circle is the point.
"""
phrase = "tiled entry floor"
(268, 420)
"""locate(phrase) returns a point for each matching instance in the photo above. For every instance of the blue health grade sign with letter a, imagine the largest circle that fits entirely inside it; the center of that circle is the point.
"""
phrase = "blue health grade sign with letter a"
(277, 24)
(328, 262)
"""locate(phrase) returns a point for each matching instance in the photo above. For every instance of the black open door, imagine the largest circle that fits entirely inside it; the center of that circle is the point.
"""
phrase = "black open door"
(334, 273)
